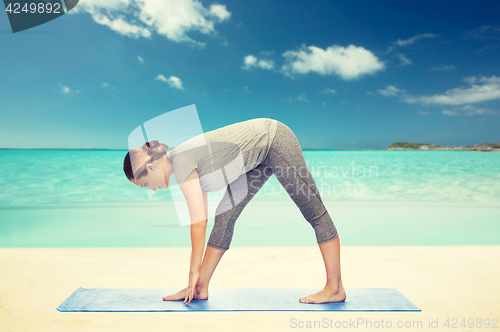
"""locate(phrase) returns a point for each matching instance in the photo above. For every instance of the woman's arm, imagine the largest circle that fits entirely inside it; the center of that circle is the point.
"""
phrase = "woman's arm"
(198, 211)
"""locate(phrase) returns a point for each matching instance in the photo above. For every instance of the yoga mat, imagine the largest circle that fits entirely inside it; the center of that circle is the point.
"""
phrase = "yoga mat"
(247, 299)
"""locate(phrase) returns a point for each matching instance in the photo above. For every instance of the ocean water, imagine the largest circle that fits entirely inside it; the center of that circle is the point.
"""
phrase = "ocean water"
(75, 177)
(83, 199)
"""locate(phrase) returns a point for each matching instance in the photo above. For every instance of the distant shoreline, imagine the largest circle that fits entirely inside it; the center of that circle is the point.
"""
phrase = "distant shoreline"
(306, 149)
(484, 147)
(64, 149)
(400, 146)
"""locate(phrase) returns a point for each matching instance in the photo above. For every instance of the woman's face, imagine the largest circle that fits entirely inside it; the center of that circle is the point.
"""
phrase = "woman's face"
(155, 178)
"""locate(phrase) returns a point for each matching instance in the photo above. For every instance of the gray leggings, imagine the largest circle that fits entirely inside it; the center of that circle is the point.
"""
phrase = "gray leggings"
(286, 161)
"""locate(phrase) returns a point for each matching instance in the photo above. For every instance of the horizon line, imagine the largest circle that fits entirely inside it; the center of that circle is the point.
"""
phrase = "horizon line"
(83, 149)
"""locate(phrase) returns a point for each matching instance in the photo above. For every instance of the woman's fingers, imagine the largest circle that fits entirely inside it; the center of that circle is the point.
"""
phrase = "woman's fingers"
(191, 289)
(189, 296)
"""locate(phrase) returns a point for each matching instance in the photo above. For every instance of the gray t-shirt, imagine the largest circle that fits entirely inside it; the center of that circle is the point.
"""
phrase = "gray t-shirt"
(222, 155)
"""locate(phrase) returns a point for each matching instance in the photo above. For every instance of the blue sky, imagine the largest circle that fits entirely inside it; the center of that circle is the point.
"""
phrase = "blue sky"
(341, 74)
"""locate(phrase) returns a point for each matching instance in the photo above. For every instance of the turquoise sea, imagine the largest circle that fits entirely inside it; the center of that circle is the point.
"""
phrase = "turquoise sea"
(81, 198)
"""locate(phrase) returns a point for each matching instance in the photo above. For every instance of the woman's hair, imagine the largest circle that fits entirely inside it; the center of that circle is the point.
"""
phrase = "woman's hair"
(134, 164)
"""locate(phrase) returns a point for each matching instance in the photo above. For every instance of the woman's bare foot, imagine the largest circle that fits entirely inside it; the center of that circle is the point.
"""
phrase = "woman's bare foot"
(326, 295)
(181, 295)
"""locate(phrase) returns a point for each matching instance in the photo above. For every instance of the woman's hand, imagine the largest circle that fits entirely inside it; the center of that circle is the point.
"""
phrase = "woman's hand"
(194, 284)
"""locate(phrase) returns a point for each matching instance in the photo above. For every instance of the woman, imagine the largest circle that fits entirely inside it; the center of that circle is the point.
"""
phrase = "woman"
(264, 147)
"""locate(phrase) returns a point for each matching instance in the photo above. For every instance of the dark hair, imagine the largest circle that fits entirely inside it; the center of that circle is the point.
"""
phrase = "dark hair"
(136, 160)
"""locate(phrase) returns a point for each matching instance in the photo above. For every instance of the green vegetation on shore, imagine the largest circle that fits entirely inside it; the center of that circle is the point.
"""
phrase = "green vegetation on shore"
(423, 146)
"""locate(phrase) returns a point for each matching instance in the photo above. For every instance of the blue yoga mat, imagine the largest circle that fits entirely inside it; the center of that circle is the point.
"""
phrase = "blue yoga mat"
(248, 299)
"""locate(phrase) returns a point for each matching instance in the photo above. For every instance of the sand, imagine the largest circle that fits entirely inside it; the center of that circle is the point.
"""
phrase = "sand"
(444, 281)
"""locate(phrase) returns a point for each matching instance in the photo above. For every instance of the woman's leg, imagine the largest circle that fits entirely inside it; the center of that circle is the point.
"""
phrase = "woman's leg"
(238, 194)
(240, 191)
(288, 164)
(222, 232)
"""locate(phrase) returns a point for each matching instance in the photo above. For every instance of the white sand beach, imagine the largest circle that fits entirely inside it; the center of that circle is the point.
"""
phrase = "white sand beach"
(444, 281)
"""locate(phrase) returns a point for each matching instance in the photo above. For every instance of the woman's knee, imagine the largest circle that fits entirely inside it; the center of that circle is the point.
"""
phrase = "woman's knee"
(324, 228)
(219, 247)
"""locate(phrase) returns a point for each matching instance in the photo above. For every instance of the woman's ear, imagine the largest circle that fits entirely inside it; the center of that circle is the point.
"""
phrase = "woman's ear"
(151, 166)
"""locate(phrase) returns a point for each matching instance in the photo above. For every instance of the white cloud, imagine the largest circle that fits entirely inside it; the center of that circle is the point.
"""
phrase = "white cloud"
(471, 110)
(484, 32)
(250, 61)
(410, 41)
(488, 88)
(413, 39)
(444, 68)
(246, 89)
(468, 110)
(449, 113)
(219, 11)
(481, 89)
(328, 90)
(404, 60)
(266, 52)
(470, 79)
(347, 62)
(105, 85)
(424, 113)
(141, 60)
(301, 97)
(119, 24)
(66, 89)
(172, 81)
(391, 91)
(173, 19)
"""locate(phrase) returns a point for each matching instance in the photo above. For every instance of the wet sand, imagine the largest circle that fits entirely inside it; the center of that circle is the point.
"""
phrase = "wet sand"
(444, 281)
